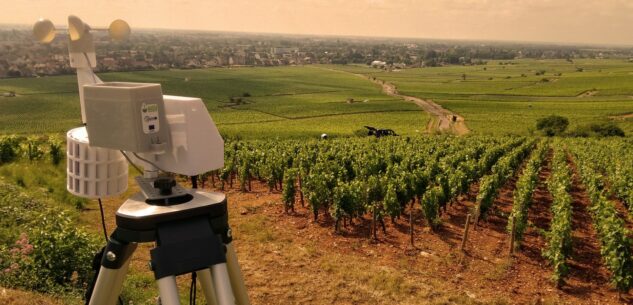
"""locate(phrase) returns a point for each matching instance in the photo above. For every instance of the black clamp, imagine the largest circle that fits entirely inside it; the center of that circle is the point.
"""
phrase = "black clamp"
(186, 246)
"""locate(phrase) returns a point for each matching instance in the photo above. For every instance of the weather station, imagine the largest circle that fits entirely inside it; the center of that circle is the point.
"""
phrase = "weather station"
(134, 124)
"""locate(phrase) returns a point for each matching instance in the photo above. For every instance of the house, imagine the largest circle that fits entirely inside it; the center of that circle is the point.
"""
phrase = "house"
(378, 64)
(282, 50)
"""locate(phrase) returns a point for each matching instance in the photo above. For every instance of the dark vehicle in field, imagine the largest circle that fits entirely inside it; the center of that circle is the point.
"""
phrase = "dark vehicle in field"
(371, 131)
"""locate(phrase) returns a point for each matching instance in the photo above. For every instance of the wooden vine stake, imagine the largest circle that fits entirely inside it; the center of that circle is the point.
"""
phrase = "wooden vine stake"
(512, 235)
(476, 218)
(465, 237)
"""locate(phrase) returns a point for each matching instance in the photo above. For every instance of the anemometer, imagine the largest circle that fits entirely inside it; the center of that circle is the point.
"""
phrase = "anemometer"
(134, 122)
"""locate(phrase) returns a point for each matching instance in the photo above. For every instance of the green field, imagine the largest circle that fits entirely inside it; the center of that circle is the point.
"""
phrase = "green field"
(288, 102)
(284, 102)
(508, 98)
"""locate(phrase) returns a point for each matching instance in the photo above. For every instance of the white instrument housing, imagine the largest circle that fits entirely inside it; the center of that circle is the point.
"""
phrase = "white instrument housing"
(195, 146)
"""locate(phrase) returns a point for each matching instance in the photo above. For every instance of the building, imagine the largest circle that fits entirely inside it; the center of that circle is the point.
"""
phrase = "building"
(378, 64)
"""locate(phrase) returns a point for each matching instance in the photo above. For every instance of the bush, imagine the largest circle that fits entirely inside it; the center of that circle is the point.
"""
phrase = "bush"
(55, 151)
(32, 148)
(609, 129)
(600, 130)
(552, 125)
(43, 249)
(9, 149)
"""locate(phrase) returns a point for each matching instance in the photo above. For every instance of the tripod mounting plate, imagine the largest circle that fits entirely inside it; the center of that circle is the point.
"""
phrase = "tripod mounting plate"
(135, 214)
(151, 192)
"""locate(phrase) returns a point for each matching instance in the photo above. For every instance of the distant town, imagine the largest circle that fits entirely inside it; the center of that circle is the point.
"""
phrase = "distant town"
(22, 56)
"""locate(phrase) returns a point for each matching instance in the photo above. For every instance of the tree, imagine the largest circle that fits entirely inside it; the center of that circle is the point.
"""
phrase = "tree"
(552, 125)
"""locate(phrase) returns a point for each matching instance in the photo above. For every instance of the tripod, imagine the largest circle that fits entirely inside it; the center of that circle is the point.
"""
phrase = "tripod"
(192, 234)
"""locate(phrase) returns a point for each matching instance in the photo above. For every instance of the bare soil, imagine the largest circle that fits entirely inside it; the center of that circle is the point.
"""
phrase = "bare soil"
(290, 259)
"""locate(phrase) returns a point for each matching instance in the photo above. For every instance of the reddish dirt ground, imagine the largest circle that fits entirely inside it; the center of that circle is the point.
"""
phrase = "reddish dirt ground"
(587, 274)
(290, 259)
(486, 272)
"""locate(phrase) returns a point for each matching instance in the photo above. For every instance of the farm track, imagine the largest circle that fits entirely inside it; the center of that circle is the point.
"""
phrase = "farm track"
(442, 120)
(587, 93)
(622, 117)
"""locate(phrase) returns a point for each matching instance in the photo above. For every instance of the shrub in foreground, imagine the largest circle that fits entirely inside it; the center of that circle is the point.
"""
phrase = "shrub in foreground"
(49, 254)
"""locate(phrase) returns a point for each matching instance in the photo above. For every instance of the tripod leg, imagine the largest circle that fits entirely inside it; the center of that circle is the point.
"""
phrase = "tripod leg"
(206, 281)
(237, 280)
(168, 291)
(110, 280)
(223, 289)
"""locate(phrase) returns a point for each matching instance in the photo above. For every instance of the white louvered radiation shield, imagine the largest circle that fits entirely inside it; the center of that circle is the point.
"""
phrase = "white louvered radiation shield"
(93, 172)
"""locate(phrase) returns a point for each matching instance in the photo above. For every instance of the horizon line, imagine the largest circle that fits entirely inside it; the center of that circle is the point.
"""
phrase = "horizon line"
(470, 40)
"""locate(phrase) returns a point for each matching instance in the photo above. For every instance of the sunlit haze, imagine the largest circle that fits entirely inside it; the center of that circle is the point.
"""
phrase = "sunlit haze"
(567, 21)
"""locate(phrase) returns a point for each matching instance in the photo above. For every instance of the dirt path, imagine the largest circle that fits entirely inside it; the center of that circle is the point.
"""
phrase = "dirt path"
(622, 117)
(442, 120)
(588, 93)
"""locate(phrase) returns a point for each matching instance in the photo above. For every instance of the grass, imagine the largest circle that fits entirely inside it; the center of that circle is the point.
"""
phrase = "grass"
(259, 228)
(43, 180)
(17, 297)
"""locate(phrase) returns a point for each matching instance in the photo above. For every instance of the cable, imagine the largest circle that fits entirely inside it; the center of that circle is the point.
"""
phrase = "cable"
(132, 163)
(103, 224)
(92, 73)
(150, 162)
(194, 182)
(192, 289)
(105, 235)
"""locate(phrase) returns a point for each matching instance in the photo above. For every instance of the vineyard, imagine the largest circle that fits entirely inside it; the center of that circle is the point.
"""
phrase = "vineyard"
(393, 179)
(412, 185)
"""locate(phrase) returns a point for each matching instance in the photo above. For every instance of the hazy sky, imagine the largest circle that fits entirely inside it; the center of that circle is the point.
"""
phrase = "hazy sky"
(586, 21)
